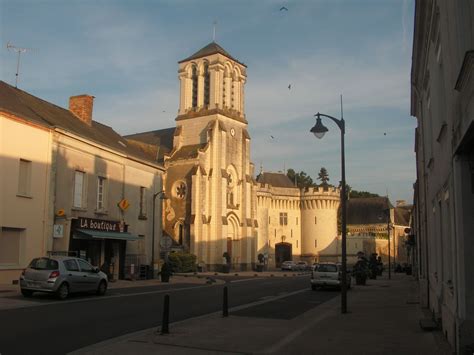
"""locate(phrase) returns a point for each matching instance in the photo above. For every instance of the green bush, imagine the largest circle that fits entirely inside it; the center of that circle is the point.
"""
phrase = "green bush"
(182, 262)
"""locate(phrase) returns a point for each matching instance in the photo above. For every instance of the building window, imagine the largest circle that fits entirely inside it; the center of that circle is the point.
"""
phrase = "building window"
(24, 178)
(195, 86)
(297, 244)
(296, 220)
(10, 244)
(78, 200)
(268, 219)
(142, 201)
(101, 193)
(283, 218)
(207, 81)
(315, 220)
(315, 243)
(292, 233)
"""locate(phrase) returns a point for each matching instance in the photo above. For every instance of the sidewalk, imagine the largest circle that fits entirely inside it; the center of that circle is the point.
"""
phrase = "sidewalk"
(383, 318)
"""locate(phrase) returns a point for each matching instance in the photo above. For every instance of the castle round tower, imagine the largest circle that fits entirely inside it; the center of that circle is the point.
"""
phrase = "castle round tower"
(319, 223)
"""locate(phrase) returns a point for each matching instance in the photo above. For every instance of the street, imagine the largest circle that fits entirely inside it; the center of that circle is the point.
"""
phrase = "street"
(58, 327)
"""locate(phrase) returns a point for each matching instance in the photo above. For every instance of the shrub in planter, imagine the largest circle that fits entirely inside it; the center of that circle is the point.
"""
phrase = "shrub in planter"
(361, 271)
(182, 262)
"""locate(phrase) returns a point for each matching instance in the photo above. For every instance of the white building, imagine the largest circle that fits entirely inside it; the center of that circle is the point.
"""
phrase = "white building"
(443, 103)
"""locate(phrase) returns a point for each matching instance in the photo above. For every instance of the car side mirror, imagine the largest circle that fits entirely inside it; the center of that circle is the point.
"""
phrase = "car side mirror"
(95, 270)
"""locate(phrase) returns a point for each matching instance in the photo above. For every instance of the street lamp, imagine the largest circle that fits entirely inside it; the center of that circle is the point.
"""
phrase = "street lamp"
(162, 197)
(319, 130)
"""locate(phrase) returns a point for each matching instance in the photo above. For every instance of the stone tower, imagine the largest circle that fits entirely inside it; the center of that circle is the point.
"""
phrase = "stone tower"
(211, 209)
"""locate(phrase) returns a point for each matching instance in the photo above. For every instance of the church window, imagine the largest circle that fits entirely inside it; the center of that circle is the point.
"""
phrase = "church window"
(180, 190)
(195, 86)
(283, 218)
(207, 80)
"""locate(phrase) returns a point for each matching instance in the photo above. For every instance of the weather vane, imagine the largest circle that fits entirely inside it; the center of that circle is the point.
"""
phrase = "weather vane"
(18, 50)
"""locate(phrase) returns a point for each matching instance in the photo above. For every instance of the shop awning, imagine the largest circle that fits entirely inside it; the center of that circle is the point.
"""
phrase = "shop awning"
(93, 234)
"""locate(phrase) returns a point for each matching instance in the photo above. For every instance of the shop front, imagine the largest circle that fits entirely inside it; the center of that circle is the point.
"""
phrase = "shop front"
(103, 243)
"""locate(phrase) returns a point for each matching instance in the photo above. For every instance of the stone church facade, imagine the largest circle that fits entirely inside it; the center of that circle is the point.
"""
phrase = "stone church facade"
(215, 205)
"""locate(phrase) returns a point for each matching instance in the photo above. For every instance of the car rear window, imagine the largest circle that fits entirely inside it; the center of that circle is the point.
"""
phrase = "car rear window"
(44, 264)
(327, 268)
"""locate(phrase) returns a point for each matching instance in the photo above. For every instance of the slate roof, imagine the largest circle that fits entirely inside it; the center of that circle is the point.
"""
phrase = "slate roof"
(162, 138)
(211, 48)
(402, 215)
(275, 179)
(188, 151)
(370, 210)
(33, 109)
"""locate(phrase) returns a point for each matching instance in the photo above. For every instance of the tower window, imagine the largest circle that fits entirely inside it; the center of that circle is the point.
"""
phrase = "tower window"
(283, 218)
(207, 80)
(195, 86)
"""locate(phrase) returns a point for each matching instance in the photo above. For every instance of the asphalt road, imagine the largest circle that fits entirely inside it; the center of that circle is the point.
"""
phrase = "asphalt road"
(59, 327)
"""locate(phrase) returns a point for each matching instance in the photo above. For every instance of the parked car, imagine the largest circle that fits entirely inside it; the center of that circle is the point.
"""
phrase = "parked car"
(289, 265)
(62, 275)
(303, 266)
(328, 275)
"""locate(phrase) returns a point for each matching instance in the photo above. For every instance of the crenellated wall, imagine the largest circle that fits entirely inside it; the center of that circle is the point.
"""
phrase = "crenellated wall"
(310, 217)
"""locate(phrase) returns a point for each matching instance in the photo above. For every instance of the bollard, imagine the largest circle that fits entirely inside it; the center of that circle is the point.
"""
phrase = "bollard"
(166, 316)
(225, 305)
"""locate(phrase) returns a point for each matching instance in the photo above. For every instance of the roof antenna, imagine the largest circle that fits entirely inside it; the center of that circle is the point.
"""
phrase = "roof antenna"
(19, 50)
(214, 31)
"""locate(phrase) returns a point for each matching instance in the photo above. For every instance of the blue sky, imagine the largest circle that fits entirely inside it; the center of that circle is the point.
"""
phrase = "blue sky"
(125, 53)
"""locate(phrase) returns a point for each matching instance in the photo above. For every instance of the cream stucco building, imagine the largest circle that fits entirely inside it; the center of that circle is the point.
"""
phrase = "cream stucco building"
(74, 186)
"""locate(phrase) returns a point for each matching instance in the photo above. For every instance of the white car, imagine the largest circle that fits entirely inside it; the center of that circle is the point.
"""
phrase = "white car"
(289, 265)
(328, 275)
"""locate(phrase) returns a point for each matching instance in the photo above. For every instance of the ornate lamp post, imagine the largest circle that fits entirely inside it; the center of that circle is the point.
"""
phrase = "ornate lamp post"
(319, 130)
(162, 197)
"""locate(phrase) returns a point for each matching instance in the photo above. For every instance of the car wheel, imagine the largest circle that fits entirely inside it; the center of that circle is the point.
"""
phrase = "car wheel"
(63, 291)
(27, 293)
(102, 289)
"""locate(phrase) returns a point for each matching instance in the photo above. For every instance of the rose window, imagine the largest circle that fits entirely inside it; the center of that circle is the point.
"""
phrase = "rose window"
(181, 190)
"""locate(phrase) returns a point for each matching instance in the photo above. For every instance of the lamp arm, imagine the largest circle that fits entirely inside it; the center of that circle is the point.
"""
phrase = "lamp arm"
(340, 123)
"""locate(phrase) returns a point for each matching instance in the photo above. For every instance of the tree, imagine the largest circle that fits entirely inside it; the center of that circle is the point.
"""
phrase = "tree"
(301, 179)
(323, 176)
(361, 194)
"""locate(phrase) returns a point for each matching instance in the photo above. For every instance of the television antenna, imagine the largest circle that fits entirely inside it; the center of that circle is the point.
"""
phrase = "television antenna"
(18, 50)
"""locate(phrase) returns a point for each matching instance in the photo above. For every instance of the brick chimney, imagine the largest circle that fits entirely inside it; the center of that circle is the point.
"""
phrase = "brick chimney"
(81, 107)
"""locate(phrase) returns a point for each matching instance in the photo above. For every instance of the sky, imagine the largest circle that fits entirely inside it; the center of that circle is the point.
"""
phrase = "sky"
(125, 53)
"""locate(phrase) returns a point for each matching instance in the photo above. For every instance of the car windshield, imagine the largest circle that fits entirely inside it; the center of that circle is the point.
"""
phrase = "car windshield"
(327, 268)
(43, 264)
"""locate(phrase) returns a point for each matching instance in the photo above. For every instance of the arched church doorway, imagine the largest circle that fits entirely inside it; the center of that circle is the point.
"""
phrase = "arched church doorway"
(233, 242)
(283, 252)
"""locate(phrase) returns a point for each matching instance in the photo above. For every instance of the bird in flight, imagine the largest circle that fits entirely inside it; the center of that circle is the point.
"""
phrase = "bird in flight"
(283, 8)
(289, 87)
(385, 133)
(272, 137)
